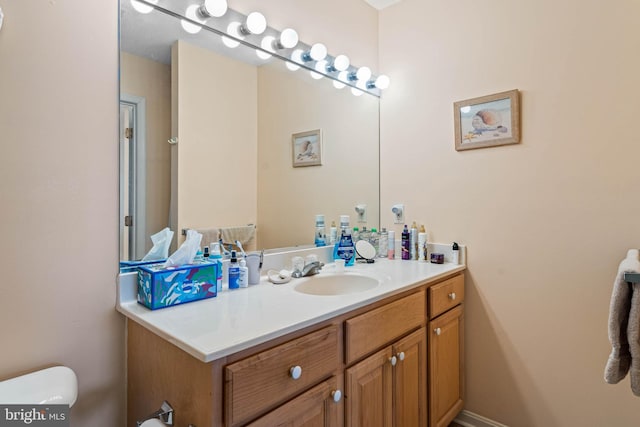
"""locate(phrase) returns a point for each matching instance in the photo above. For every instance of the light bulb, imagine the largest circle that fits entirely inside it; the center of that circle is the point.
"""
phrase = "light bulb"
(192, 13)
(356, 91)
(233, 29)
(321, 66)
(291, 66)
(141, 7)
(362, 85)
(343, 76)
(256, 23)
(288, 39)
(296, 56)
(363, 73)
(315, 75)
(341, 62)
(318, 52)
(382, 82)
(213, 8)
(266, 44)
(338, 85)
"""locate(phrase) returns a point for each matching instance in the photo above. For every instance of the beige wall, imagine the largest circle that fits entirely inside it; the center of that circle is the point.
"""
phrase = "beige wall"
(151, 80)
(288, 197)
(59, 186)
(546, 221)
(216, 126)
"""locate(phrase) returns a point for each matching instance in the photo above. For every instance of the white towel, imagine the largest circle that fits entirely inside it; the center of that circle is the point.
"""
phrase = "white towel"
(209, 235)
(244, 233)
(624, 326)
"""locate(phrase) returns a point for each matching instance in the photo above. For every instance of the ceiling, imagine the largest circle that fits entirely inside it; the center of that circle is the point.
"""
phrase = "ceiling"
(381, 4)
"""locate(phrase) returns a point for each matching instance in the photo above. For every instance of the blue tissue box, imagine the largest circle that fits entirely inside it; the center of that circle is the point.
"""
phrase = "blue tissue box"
(164, 287)
(132, 266)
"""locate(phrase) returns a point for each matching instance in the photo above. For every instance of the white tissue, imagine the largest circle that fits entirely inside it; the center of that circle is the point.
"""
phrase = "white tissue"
(187, 251)
(161, 242)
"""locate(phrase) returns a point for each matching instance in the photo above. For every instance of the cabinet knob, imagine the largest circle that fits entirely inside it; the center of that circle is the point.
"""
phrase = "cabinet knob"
(336, 395)
(295, 372)
(452, 295)
(393, 360)
(438, 331)
(401, 356)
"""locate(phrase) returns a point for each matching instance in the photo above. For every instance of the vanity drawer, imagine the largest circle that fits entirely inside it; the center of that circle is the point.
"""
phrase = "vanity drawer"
(376, 328)
(446, 295)
(267, 378)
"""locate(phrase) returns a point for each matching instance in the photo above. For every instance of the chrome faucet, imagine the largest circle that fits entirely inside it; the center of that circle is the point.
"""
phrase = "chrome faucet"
(310, 269)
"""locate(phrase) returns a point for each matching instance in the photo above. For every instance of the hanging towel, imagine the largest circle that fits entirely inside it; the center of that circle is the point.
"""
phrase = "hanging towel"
(244, 233)
(209, 235)
(624, 326)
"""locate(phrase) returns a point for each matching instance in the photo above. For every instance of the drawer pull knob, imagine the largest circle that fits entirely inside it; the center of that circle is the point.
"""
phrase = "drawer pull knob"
(295, 372)
(336, 395)
(393, 360)
(452, 295)
(438, 331)
(401, 356)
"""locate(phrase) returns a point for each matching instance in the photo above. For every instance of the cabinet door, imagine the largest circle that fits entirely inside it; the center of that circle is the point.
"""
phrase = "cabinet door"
(319, 407)
(445, 367)
(368, 391)
(410, 397)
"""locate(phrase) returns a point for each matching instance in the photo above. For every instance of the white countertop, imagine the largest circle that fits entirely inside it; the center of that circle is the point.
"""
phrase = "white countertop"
(238, 319)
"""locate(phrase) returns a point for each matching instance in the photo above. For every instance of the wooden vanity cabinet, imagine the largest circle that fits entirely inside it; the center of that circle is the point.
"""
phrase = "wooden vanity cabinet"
(446, 351)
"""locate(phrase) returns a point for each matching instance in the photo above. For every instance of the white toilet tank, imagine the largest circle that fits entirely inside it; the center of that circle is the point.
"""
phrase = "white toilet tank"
(57, 385)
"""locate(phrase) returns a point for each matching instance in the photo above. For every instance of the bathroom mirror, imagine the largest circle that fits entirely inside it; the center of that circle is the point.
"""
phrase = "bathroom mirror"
(212, 143)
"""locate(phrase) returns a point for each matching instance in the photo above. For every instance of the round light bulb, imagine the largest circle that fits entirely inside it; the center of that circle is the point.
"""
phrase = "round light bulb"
(266, 44)
(382, 82)
(338, 85)
(289, 38)
(192, 13)
(321, 66)
(356, 91)
(341, 62)
(215, 8)
(315, 75)
(343, 76)
(233, 29)
(256, 23)
(143, 8)
(291, 66)
(363, 73)
(362, 84)
(318, 52)
(296, 55)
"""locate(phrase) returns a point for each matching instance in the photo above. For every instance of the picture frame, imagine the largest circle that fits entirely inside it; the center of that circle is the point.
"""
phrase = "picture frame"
(487, 121)
(306, 148)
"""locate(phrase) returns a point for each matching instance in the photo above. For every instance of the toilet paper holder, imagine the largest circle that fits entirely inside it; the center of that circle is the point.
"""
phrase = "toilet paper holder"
(164, 414)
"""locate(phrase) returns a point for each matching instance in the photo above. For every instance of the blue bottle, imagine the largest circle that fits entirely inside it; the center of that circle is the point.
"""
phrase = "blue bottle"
(344, 248)
(234, 271)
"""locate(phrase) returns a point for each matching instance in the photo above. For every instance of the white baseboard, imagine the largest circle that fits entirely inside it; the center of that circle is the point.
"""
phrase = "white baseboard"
(469, 419)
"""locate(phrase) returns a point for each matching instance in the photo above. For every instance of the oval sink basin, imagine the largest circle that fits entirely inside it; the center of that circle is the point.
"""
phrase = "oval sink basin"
(336, 284)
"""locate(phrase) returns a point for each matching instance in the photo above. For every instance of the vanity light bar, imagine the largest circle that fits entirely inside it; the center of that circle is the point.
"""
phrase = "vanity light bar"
(254, 33)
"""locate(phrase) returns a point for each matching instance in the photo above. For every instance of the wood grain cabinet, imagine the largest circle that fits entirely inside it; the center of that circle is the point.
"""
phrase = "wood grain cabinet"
(446, 351)
(394, 363)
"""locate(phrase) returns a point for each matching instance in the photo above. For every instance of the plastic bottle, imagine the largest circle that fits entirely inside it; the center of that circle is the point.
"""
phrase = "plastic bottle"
(406, 243)
(243, 277)
(364, 234)
(333, 233)
(234, 271)
(355, 235)
(391, 248)
(344, 248)
(455, 250)
(383, 244)
(321, 237)
(216, 256)
(374, 239)
(422, 244)
(413, 241)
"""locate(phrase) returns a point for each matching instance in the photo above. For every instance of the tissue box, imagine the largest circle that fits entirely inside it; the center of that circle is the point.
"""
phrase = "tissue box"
(132, 266)
(163, 287)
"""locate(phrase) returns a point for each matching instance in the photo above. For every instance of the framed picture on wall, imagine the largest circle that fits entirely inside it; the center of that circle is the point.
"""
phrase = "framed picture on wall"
(307, 148)
(487, 121)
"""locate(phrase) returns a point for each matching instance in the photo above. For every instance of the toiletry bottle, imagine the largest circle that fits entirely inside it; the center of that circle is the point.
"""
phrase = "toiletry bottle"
(216, 256)
(344, 248)
(391, 248)
(364, 234)
(406, 243)
(383, 244)
(413, 241)
(333, 233)
(243, 277)
(206, 253)
(234, 271)
(355, 235)
(321, 237)
(422, 244)
(455, 259)
(374, 239)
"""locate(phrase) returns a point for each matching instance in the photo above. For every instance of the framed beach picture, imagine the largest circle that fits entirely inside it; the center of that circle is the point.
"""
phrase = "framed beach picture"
(307, 148)
(487, 121)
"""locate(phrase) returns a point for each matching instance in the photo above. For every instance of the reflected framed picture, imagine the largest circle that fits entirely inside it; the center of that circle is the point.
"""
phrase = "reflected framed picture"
(487, 121)
(307, 148)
